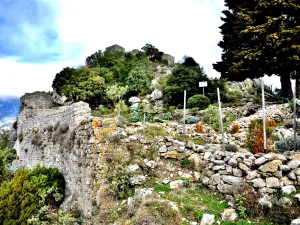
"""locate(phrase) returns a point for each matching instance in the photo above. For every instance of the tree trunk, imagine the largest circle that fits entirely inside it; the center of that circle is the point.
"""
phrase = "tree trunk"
(297, 88)
(286, 86)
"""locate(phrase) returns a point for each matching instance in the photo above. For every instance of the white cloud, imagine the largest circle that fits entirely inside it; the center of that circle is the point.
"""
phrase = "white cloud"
(177, 27)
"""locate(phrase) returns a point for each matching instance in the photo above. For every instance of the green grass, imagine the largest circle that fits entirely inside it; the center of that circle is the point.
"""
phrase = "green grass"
(195, 140)
(162, 188)
(194, 202)
(153, 131)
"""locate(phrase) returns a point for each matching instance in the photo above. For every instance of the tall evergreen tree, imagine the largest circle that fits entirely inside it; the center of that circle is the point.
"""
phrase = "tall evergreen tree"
(260, 37)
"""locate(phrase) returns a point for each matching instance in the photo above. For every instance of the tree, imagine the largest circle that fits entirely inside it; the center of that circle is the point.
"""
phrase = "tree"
(62, 79)
(94, 59)
(115, 93)
(190, 62)
(260, 38)
(183, 78)
(153, 53)
(138, 80)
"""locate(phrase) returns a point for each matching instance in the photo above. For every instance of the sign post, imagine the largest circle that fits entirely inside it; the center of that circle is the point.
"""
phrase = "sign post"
(295, 118)
(221, 119)
(263, 112)
(203, 84)
(184, 110)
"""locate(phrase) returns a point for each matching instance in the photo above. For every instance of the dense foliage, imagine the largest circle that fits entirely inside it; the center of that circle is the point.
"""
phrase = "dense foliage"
(7, 155)
(261, 37)
(198, 101)
(27, 192)
(287, 144)
(255, 136)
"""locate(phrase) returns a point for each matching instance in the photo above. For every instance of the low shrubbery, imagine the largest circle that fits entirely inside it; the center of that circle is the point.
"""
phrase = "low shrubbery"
(287, 144)
(29, 191)
(198, 101)
(255, 136)
(235, 128)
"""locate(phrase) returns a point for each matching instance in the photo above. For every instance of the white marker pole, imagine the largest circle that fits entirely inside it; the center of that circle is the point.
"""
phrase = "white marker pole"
(263, 112)
(295, 119)
(221, 119)
(184, 110)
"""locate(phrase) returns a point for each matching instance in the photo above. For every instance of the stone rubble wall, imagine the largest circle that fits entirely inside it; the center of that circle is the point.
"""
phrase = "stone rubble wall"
(72, 152)
(36, 100)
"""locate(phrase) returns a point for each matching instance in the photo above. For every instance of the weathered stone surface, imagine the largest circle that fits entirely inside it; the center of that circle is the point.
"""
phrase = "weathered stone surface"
(143, 192)
(285, 168)
(258, 183)
(229, 215)
(207, 219)
(272, 182)
(295, 222)
(176, 184)
(233, 162)
(162, 149)
(137, 180)
(251, 175)
(156, 94)
(237, 172)
(242, 166)
(225, 188)
(215, 179)
(266, 201)
(292, 175)
(285, 181)
(260, 161)
(134, 100)
(293, 164)
(231, 179)
(132, 168)
(288, 189)
(271, 167)
(172, 154)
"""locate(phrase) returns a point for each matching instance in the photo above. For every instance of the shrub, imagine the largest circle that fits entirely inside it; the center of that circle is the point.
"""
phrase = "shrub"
(191, 119)
(199, 128)
(194, 111)
(29, 191)
(255, 139)
(37, 139)
(156, 212)
(233, 96)
(287, 144)
(198, 101)
(211, 116)
(235, 128)
(271, 123)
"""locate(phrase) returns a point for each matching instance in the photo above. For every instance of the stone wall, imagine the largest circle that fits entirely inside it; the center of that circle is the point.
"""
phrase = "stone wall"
(61, 138)
(115, 48)
(36, 100)
(170, 59)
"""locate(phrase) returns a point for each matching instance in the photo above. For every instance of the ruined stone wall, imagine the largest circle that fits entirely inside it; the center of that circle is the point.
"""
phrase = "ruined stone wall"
(36, 100)
(61, 138)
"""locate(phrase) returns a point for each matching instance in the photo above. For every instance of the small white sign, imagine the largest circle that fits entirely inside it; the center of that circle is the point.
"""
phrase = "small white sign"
(203, 84)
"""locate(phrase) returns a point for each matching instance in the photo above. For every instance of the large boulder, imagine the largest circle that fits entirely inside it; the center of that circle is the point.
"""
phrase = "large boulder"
(134, 99)
(156, 94)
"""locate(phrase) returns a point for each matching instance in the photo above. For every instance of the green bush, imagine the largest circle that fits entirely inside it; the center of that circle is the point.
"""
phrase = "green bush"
(287, 144)
(29, 191)
(198, 101)
(211, 116)
(192, 119)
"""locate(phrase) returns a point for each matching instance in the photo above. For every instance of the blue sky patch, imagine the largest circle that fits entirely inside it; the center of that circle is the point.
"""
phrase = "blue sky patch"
(29, 31)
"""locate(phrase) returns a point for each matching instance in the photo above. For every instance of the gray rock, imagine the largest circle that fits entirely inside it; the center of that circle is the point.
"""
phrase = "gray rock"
(150, 163)
(272, 182)
(248, 162)
(137, 180)
(233, 162)
(295, 222)
(163, 149)
(251, 175)
(293, 164)
(176, 184)
(278, 174)
(231, 179)
(289, 189)
(258, 183)
(291, 175)
(215, 179)
(225, 188)
(207, 155)
(216, 168)
(266, 201)
(134, 99)
(207, 219)
(143, 192)
(132, 168)
(156, 94)
(218, 162)
(243, 167)
(229, 215)
(237, 172)
(260, 161)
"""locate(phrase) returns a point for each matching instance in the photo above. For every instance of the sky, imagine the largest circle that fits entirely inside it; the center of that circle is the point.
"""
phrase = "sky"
(38, 38)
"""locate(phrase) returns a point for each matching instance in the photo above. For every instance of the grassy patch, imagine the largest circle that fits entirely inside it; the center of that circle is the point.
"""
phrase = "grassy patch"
(153, 131)
(162, 188)
(195, 140)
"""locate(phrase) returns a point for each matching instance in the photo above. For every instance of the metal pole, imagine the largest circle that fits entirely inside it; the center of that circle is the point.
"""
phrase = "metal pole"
(295, 119)
(221, 119)
(263, 113)
(203, 90)
(184, 110)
